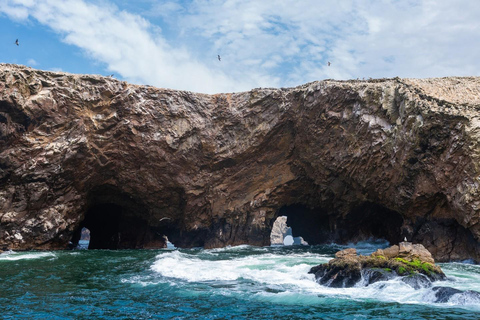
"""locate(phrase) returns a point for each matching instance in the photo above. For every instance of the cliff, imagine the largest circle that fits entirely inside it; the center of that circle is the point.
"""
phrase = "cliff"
(343, 160)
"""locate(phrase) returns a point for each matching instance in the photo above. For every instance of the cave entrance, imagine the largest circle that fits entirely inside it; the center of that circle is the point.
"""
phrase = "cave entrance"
(117, 221)
(309, 223)
(370, 220)
(367, 221)
(103, 221)
(282, 234)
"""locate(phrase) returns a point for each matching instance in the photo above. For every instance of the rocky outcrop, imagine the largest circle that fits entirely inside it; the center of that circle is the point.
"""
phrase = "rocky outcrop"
(411, 262)
(280, 230)
(343, 160)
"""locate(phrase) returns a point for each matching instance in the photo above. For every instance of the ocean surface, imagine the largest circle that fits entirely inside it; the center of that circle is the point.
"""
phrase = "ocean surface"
(231, 283)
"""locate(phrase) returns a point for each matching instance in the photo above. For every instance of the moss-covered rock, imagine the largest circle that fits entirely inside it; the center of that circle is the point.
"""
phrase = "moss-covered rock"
(413, 262)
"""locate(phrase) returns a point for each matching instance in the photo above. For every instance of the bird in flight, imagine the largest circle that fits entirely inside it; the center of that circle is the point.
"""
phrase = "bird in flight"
(218, 56)
(329, 63)
(16, 42)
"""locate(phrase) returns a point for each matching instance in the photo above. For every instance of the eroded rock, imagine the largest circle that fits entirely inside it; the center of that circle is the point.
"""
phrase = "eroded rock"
(343, 160)
(279, 231)
(412, 262)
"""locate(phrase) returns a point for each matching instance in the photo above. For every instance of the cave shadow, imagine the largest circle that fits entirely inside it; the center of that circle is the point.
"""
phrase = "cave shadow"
(117, 221)
(367, 221)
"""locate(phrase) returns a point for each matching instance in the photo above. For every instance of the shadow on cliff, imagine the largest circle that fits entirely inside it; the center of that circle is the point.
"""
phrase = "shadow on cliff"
(117, 221)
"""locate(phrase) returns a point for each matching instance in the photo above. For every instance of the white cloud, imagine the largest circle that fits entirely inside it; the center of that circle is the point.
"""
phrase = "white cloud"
(266, 43)
(127, 43)
(366, 38)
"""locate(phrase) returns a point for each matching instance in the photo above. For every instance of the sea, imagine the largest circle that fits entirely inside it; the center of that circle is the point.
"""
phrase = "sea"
(241, 282)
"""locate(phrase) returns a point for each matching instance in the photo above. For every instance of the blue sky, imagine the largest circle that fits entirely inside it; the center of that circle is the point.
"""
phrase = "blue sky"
(282, 43)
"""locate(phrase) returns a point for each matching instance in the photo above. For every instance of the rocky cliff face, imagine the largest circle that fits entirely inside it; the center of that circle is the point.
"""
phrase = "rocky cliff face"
(344, 161)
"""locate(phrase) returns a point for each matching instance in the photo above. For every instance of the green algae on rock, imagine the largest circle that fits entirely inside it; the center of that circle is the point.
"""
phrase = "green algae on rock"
(411, 261)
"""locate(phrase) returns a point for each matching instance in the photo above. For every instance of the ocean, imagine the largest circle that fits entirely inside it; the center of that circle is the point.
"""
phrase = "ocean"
(241, 282)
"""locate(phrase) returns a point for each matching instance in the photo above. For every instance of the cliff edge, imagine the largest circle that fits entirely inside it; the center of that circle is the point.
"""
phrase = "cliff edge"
(343, 160)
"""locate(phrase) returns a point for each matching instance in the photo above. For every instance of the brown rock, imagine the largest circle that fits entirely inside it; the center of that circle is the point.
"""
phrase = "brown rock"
(412, 262)
(343, 160)
(389, 252)
(346, 253)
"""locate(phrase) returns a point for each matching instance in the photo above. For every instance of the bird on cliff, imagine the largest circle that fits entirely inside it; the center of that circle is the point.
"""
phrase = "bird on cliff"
(16, 42)
(405, 239)
(218, 56)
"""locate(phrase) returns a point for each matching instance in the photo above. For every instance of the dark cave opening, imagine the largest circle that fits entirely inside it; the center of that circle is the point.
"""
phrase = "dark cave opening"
(117, 221)
(310, 223)
(371, 220)
(103, 221)
(367, 221)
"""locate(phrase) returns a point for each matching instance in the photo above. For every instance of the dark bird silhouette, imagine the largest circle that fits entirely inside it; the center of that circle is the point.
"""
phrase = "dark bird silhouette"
(16, 42)
(329, 63)
(218, 56)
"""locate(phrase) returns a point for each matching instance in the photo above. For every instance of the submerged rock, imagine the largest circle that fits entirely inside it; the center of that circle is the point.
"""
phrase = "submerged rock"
(447, 294)
(412, 262)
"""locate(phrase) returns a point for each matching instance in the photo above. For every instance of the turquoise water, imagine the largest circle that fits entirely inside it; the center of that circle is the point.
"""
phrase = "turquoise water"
(232, 283)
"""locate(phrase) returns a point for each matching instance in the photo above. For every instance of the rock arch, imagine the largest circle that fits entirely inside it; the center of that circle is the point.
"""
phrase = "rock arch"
(214, 170)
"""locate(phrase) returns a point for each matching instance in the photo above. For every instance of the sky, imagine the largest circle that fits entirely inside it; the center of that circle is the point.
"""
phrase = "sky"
(269, 43)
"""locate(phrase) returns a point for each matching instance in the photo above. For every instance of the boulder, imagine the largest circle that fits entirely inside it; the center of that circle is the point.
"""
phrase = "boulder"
(411, 262)
(406, 250)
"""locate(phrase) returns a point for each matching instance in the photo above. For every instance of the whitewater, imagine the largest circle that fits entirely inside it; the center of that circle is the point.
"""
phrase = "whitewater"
(241, 282)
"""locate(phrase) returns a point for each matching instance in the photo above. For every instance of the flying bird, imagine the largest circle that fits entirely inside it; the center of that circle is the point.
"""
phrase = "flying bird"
(218, 56)
(16, 42)
(329, 63)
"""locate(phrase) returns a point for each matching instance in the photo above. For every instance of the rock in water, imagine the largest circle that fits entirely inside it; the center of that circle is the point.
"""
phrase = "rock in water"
(343, 160)
(447, 294)
(412, 262)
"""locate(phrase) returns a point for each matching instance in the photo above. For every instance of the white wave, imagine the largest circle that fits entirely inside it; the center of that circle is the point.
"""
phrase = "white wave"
(273, 275)
(264, 268)
(14, 256)
(239, 248)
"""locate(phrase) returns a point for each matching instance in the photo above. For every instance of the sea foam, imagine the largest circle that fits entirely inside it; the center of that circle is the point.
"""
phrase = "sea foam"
(269, 275)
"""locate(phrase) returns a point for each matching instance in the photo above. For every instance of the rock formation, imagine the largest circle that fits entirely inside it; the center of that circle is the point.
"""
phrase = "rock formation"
(343, 160)
(411, 261)
(280, 230)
